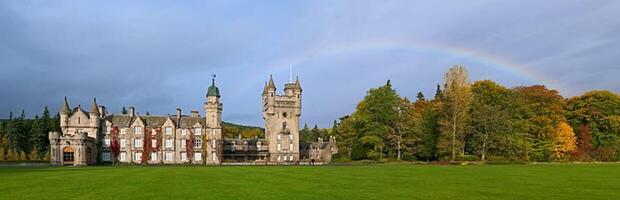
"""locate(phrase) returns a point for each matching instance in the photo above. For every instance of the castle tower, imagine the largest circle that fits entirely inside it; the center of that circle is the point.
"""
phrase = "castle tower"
(64, 115)
(281, 114)
(213, 117)
(94, 114)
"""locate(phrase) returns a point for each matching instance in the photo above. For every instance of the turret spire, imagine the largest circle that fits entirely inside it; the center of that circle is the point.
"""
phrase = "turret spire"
(65, 107)
(94, 108)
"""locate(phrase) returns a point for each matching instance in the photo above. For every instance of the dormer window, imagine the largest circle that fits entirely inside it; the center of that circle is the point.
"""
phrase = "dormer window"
(197, 131)
(79, 120)
(137, 130)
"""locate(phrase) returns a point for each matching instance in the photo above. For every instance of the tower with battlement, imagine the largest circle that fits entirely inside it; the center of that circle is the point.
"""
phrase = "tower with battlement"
(281, 114)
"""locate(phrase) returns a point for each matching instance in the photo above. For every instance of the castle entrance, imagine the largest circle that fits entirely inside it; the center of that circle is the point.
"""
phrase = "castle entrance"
(68, 156)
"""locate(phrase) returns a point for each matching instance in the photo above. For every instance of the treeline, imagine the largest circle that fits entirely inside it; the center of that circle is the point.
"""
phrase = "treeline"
(22, 138)
(481, 121)
(230, 130)
(308, 136)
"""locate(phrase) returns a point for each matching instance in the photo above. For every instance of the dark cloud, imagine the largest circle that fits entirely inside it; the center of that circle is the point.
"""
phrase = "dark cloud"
(159, 55)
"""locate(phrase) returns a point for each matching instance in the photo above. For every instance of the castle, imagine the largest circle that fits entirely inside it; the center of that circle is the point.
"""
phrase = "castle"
(93, 137)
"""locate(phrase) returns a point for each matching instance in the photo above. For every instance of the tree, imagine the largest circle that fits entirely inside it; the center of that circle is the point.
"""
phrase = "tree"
(565, 141)
(593, 115)
(489, 119)
(420, 97)
(488, 122)
(429, 132)
(456, 99)
(346, 136)
(376, 115)
(124, 110)
(2, 153)
(545, 110)
(438, 92)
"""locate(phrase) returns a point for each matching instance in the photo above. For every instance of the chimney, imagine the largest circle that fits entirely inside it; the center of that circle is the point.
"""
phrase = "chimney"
(132, 111)
(195, 113)
(178, 117)
(102, 111)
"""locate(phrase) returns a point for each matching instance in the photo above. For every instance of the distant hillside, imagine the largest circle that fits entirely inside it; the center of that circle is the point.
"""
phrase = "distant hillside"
(232, 130)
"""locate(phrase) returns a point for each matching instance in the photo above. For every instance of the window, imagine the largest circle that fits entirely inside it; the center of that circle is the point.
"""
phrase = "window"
(279, 158)
(182, 143)
(168, 156)
(198, 143)
(104, 129)
(213, 156)
(183, 156)
(153, 156)
(106, 156)
(197, 131)
(197, 156)
(279, 147)
(212, 143)
(168, 130)
(168, 143)
(107, 142)
(137, 157)
(67, 156)
(123, 156)
(123, 143)
(137, 143)
(183, 131)
(290, 136)
(154, 143)
(279, 136)
(137, 130)
(123, 130)
(290, 147)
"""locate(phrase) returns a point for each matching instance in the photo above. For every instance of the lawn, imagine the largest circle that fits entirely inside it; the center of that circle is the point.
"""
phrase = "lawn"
(391, 181)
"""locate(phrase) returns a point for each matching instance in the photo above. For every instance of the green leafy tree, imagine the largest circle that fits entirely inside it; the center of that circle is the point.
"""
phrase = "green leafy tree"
(546, 111)
(376, 115)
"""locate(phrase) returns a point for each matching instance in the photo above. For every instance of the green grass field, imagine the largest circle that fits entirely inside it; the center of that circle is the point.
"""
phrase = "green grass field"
(391, 181)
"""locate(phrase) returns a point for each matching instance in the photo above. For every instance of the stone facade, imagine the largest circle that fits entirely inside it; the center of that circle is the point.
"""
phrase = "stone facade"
(92, 137)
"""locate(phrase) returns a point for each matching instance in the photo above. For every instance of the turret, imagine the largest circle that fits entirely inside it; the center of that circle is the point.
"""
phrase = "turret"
(64, 114)
(213, 107)
(94, 114)
(213, 117)
(269, 95)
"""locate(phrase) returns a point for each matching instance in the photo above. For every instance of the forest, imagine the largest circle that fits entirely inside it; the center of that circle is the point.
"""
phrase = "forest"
(481, 121)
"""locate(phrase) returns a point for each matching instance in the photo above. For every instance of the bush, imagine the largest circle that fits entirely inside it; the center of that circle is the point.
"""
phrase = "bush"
(467, 158)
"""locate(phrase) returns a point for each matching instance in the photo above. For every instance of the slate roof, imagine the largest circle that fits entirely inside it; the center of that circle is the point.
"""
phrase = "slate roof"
(153, 121)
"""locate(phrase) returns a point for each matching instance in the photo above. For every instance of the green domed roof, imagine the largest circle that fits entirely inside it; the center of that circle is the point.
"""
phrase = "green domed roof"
(213, 90)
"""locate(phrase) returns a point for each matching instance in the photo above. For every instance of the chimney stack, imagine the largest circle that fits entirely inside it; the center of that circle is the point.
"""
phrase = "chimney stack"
(178, 117)
(195, 113)
(132, 111)
(102, 111)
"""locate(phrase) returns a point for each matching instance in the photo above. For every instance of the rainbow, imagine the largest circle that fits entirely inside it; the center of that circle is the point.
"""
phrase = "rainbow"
(494, 61)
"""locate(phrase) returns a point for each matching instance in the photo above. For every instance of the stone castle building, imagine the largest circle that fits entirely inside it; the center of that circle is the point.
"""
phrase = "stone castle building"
(96, 136)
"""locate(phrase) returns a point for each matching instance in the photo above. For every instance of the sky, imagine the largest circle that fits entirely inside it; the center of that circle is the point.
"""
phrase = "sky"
(159, 55)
